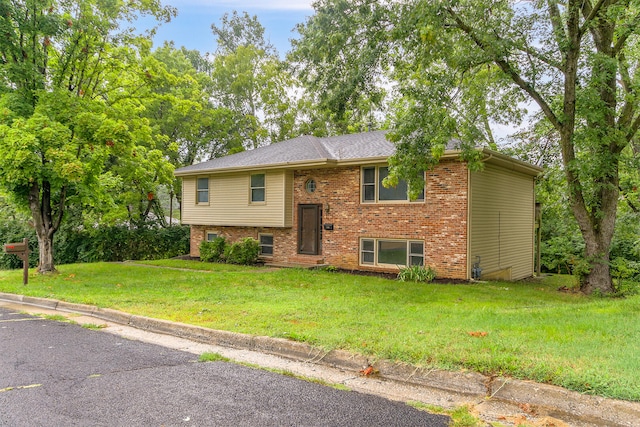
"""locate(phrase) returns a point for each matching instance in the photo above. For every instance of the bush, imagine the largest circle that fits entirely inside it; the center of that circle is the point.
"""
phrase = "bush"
(120, 243)
(214, 250)
(245, 252)
(417, 273)
(73, 243)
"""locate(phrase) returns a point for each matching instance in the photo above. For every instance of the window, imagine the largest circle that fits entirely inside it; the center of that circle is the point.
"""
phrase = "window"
(391, 252)
(310, 185)
(399, 192)
(211, 236)
(373, 190)
(266, 244)
(369, 184)
(203, 190)
(257, 188)
(367, 252)
(416, 253)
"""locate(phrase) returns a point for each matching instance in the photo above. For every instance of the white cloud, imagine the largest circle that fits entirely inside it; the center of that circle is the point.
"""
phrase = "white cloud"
(246, 4)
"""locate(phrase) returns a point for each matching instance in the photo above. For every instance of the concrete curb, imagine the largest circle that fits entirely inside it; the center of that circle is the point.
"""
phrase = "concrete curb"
(530, 397)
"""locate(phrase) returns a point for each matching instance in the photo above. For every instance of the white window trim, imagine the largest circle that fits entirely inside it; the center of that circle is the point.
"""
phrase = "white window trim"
(376, 186)
(208, 232)
(375, 252)
(310, 186)
(261, 245)
(251, 188)
(198, 190)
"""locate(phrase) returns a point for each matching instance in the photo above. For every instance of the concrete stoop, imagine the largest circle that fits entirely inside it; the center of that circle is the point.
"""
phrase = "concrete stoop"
(506, 400)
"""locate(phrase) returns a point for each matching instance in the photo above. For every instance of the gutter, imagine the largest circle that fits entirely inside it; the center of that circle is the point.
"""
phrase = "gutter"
(490, 156)
(283, 165)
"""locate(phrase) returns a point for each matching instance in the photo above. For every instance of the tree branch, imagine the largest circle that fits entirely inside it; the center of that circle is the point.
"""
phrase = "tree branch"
(629, 29)
(633, 129)
(547, 60)
(556, 23)
(506, 67)
(61, 203)
(626, 113)
(591, 13)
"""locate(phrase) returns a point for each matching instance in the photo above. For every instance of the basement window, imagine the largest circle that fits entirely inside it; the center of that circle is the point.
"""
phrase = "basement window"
(387, 252)
(266, 244)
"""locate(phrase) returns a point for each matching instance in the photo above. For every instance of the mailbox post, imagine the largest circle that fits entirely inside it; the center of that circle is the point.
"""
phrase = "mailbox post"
(22, 251)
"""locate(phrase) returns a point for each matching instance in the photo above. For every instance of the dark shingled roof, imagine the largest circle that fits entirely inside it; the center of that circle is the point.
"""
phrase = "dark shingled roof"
(302, 149)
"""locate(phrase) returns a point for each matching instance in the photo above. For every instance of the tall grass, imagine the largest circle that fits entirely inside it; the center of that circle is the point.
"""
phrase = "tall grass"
(525, 330)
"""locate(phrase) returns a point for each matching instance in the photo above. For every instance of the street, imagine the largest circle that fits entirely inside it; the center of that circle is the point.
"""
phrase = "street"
(61, 374)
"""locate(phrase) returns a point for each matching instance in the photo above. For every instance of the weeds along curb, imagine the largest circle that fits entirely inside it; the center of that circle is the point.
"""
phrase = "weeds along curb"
(484, 391)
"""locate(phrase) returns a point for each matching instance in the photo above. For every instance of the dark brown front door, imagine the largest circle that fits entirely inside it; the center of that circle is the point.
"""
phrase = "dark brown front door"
(309, 223)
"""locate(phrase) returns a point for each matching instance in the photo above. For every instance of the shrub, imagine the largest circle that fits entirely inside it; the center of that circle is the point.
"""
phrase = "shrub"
(245, 252)
(416, 273)
(119, 243)
(214, 250)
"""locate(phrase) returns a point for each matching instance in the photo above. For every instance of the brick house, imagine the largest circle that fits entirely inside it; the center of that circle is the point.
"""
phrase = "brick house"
(315, 200)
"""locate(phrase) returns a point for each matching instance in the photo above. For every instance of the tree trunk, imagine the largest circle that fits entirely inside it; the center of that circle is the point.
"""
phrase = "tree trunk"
(45, 223)
(597, 230)
(45, 261)
(598, 278)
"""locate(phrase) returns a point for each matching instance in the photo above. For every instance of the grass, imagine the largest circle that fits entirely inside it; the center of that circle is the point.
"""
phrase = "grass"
(93, 326)
(527, 330)
(460, 416)
(213, 357)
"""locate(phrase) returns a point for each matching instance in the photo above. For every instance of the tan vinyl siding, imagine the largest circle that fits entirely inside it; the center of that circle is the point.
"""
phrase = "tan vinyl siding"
(229, 203)
(288, 198)
(502, 222)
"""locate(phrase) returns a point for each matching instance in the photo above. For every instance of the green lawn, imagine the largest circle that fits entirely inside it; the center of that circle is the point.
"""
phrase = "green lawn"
(525, 330)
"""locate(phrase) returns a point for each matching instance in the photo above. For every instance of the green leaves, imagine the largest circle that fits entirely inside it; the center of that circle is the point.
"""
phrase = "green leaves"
(251, 82)
(341, 56)
(70, 108)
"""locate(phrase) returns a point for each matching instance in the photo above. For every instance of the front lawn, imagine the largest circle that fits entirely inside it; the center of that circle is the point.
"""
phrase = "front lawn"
(525, 330)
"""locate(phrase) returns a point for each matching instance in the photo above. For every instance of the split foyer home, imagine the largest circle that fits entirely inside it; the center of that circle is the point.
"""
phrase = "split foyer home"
(313, 200)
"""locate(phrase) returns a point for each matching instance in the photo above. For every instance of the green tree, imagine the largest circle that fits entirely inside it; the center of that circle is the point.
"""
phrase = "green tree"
(462, 64)
(69, 117)
(187, 127)
(252, 82)
(237, 30)
(341, 59)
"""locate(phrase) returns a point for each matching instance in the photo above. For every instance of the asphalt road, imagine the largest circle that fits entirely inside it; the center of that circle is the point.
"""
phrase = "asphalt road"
(61, 374)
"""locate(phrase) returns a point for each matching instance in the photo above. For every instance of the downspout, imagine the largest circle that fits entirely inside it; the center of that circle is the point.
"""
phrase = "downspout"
(499, 240)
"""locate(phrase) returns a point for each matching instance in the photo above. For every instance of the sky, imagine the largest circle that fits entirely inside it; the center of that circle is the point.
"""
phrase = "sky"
(192, 27)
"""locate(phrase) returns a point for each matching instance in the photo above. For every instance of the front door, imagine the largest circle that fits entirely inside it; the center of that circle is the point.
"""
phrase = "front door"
(309, 229)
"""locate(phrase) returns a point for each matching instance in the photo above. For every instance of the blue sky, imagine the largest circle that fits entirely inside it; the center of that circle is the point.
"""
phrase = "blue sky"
(192, 27)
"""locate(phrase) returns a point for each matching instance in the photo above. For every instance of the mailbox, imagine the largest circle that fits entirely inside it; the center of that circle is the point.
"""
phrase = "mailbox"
(20, 249)
(15, 248)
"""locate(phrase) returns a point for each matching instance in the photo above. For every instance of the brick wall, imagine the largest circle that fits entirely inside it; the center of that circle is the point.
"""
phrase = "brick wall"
(440, 221)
